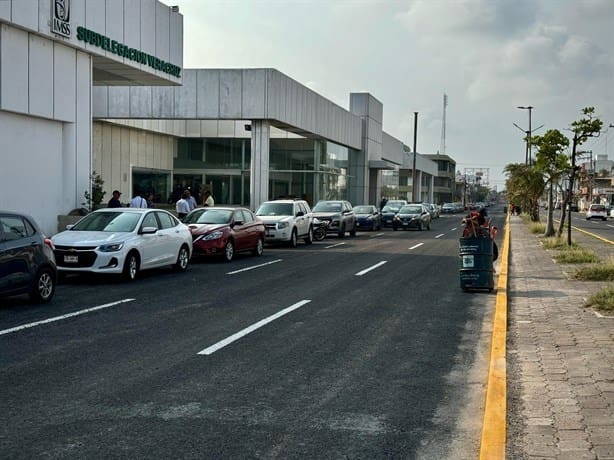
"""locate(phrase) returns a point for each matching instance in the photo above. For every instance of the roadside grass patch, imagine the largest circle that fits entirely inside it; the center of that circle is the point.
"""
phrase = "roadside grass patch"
(537, 227)
(576, 256)
(554, 242)
(600, 272)
(602, 300)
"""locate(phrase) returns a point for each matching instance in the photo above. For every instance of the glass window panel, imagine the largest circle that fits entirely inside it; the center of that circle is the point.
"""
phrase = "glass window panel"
(156, 183)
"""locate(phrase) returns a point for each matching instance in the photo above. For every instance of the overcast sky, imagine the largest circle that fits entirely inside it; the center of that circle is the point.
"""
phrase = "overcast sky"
(488, 56)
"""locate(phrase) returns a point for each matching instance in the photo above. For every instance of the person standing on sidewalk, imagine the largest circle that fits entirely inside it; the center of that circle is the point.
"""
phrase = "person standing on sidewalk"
(114, 201)
(208, 199)
(138, 201)
(183, 205)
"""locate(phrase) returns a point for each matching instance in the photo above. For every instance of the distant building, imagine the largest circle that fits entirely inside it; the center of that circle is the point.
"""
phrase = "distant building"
(444, 189)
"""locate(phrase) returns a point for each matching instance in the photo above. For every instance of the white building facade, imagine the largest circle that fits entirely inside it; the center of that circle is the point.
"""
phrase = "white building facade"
(52, 52)
(248, 135)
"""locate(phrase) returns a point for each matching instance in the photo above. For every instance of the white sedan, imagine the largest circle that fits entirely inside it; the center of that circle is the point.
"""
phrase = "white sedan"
(123, 241)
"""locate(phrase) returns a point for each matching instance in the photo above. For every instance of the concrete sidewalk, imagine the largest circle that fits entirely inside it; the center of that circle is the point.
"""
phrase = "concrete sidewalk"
(560, 359)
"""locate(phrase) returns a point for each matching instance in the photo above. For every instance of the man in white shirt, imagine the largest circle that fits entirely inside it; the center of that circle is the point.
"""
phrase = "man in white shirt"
(183, 206)
(138, 201)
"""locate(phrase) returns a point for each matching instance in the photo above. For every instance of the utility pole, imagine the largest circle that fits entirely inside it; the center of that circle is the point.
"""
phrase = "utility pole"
(442, 147)
(413, 179)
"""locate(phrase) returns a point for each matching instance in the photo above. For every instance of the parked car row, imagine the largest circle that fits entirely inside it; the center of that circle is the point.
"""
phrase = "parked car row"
(125, 241)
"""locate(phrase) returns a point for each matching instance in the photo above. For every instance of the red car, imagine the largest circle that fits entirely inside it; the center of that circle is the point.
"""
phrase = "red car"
(222, 232)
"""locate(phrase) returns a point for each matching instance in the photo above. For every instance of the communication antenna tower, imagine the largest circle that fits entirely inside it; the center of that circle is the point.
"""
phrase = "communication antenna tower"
(442, 147)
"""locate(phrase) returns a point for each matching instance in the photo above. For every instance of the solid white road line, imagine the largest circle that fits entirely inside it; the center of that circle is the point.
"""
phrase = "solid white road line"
(255, 266)
(69, 315)
(440, 235)
(334, 245)
(454, 229)
(367, 270)
(376, 235)
(233, 338)
(416, 246)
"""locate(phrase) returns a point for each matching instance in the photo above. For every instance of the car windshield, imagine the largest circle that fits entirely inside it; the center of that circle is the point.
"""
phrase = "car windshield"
(391, 208)
(108, 222)
(363, 209)
(275, 209)
(326, 206)
(209, 216)
(411, 210)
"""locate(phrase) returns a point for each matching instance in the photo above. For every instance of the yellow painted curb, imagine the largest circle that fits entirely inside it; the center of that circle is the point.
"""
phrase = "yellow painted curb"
(493, 442)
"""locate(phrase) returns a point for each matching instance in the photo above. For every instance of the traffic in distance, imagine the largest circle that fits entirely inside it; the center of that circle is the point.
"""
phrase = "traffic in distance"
(125, 241)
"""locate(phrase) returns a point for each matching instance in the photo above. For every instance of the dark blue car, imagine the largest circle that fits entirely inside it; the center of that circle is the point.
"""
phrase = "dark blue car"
(390, 210)
(367, 217)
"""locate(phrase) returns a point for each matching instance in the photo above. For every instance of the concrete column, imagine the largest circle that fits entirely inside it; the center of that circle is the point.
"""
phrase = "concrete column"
(359, 172)
(432, 189)
(375, 187)
(419, 185)
(259, 169)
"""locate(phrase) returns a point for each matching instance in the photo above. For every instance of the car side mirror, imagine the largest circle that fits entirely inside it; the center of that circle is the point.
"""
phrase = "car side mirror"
(300, 214)
(148, 230)
(238, 222)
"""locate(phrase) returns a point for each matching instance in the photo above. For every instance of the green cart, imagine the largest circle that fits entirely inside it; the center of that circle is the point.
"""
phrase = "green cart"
(476, 263)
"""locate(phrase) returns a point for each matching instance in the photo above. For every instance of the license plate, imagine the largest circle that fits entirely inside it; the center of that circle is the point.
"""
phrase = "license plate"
(71, 259)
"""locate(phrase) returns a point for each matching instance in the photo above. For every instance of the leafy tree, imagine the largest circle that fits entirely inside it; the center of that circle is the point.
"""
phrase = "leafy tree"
(583, 129)
(525, 185)
(551, 161)
(95, 197)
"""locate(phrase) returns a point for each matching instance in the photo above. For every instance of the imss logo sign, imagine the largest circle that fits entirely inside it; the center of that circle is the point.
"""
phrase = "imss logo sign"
(60, 17)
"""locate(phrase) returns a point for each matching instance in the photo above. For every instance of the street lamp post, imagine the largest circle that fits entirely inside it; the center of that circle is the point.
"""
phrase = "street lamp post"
(413, 179)
(527, 159)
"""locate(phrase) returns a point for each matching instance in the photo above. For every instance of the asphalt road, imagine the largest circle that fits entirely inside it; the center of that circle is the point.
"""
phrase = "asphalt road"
(602, 228)
(359, 347)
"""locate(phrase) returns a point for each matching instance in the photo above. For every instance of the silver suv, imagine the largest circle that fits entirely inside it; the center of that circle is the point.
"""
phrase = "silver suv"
(285, 221)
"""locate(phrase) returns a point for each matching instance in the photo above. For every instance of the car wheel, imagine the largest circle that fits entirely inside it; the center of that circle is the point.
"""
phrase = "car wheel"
(309, 238)
(342, 231)
(293, 239)
(131, 267)
(229, 251)
(43, 286)
(182, 259)
(259, 249)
